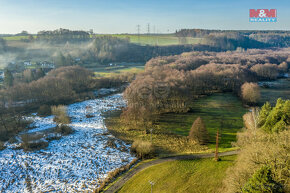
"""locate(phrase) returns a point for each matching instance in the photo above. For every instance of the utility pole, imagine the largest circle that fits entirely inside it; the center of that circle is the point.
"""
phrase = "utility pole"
(151, 134)
(138, 32)
(216, 156)
(152, 184)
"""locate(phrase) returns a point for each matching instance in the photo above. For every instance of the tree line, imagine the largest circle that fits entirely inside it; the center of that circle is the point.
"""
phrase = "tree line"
(251, 38)
(62, 35)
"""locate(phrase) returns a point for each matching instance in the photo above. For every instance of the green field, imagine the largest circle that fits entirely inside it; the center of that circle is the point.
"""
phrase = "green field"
(221, 110)
(197, 176)
(278, 89)
(171, 130)
(109, 71)
(15, 37)
(158, 39)
(143, 39)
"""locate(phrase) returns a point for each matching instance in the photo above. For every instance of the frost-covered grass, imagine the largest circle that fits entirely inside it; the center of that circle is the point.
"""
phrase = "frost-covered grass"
(76, 162)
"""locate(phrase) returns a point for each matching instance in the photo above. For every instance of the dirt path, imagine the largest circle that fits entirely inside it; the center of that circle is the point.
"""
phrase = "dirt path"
(117, 185)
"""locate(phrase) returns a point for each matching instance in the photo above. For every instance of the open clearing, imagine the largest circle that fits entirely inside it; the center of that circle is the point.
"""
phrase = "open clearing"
(221, 111)
(196, 176)
(143, 39)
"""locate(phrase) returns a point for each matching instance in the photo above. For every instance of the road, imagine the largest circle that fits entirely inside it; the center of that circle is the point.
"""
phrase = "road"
(117, 185)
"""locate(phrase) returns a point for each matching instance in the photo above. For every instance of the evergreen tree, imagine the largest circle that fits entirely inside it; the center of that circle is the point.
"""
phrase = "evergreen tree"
(198, 132)
(264, 112)
(262, 182)
(8, 79)
(278, 118)
(39, 73)
(60, 60)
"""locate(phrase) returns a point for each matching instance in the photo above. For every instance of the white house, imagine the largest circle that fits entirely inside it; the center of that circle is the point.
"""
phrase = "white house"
(47, 65)
(27, 63)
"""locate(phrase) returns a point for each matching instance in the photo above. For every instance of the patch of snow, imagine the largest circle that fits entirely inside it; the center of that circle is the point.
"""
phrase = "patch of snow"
(41, 123)
(75, 163)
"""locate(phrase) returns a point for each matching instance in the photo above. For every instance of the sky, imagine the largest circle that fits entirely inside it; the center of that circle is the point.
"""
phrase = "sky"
(123, 16)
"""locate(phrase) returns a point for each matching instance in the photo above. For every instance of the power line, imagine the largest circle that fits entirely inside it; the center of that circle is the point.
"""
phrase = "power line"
(148, 28)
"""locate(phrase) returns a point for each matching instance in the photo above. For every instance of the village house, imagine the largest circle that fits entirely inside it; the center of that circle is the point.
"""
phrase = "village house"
(46, 64)
(27, 63)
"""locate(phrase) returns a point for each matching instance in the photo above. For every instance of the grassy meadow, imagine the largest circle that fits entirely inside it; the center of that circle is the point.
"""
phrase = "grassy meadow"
(203, 175)
(158, 39)
(220, 110)
(278, 89)
(143, 39)
(109, 71)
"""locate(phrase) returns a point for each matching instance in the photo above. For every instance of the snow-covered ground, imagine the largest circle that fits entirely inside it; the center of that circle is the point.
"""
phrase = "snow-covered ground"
(75, 163)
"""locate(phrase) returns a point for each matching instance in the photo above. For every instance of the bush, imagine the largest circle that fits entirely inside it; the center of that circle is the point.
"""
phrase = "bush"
(44, 110)
(2, 145)
(262, 182)
(250, 92)
(60, 113)
(33, 142)
(113, 174)
(198, 132)
(63, 129)
(143, 149)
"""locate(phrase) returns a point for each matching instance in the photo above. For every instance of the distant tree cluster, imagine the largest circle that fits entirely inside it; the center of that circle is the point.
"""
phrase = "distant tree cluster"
(59, 86)
(62, 35)
(106, 49)
(259, 38)
(170, 84)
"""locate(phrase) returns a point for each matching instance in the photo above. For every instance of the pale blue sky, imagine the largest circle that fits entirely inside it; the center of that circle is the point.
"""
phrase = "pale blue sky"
(122, 16)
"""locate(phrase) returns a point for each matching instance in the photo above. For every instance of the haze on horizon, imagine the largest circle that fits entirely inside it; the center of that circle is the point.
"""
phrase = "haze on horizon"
(114, 16)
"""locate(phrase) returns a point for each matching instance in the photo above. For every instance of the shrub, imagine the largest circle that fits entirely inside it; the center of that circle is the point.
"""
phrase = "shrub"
(33, 142)
(63, 129)
(198, 132)
(114, 174)
(250, 92)
(44, 110)
(143, 149)
(60, 113)
(2, 145)
(262, 182)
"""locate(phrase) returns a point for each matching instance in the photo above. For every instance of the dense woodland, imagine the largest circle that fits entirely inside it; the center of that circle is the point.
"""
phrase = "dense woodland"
(171, 84)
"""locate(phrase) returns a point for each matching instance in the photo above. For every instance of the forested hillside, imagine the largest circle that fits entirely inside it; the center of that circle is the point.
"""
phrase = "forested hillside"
(171, 84)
